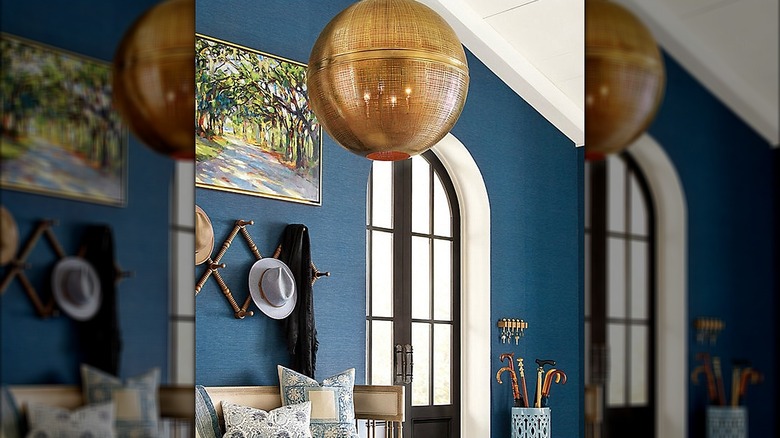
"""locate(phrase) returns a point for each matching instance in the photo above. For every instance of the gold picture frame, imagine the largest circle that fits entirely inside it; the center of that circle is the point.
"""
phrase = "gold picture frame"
(60, 133)
(255, 132)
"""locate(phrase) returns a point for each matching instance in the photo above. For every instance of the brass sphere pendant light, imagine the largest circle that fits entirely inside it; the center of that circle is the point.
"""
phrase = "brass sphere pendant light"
(387, 79)
(154, 78)
(624, 78)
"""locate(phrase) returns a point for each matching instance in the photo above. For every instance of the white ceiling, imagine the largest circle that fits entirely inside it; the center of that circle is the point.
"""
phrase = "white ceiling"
(731, 46)
(537, 48)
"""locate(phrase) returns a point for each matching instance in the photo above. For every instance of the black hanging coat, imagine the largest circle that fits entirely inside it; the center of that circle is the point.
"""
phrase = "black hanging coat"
(99, 337)
(299, 326)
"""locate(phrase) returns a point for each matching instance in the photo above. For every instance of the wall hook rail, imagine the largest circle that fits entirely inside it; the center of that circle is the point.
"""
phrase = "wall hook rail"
(45, 307)
(511, 328)
(19, 264)
(213, 266)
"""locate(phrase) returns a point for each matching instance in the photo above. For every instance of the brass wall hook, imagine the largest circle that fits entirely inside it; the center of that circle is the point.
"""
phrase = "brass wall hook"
(511, 328)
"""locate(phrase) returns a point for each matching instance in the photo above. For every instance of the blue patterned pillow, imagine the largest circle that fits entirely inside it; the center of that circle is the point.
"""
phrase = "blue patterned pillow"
(137, 407)
(332, 405)
(290, 421)
(206, 419)
(93, 421)
(9, 415)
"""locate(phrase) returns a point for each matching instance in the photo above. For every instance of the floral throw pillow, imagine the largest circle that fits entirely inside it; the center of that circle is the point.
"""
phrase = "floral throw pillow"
(286, 422)
(332, 405)
(93, 421)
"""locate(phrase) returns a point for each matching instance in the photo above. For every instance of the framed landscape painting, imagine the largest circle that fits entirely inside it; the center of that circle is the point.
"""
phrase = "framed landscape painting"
(255, 133)
(60, 134)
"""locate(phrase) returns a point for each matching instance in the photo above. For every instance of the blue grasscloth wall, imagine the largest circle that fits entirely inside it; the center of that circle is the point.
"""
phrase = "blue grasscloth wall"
(47, 351)
(533, 177)
(729, 180)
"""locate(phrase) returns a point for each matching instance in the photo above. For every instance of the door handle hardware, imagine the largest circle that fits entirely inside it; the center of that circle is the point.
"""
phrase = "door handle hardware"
(398, 379)
(404, 364)
(408, 363)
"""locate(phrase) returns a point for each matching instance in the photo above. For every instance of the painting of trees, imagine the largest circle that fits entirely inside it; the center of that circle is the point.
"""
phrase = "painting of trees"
(255, 132)
(57, 114)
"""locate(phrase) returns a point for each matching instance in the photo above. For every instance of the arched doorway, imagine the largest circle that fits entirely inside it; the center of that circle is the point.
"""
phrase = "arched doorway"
(413, 291)
(620, 299)
(475, 278)
(671, 332)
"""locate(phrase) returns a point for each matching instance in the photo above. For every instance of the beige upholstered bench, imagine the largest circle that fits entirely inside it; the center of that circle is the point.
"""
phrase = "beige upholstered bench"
(378, 408)
(177, 404)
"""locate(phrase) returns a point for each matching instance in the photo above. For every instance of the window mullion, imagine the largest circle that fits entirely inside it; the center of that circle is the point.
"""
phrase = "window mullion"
(598, 353)
(431, 275)
(627, 280)
(369, 278)
(402, 244)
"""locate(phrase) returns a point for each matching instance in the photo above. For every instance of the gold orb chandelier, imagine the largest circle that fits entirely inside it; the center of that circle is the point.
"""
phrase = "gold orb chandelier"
(387, 79)
(624, 78)
(154, 78)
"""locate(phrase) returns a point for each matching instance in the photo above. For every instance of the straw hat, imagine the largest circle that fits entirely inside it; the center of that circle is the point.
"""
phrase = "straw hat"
(9, 236)
(204, 236)
(272, 287)
(76, 288)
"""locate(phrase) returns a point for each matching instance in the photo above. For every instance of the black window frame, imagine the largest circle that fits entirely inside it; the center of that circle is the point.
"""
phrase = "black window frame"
(402, 232)
(596, 230)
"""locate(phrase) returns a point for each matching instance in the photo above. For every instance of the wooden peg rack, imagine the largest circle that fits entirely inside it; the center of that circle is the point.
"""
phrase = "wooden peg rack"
(213, 266)
(19, 264)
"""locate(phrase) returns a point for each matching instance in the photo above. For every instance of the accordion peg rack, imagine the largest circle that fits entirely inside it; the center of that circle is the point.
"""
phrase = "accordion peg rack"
(213, 266)
(19, 264)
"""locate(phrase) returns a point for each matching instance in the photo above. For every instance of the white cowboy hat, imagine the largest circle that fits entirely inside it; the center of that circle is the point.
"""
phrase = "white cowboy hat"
(76, 288)
(9, 236)
(204, 236)
(272, 287)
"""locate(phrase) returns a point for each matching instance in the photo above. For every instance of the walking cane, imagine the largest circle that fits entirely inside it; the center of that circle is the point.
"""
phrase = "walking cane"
(716, 370)
(712, 390)
(749, 375)
(521, 370)
(559, 376)
(511, 368)
(539, 377)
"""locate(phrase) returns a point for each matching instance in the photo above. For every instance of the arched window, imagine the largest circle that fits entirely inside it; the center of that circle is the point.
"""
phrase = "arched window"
(413, 290)
(620, 295)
